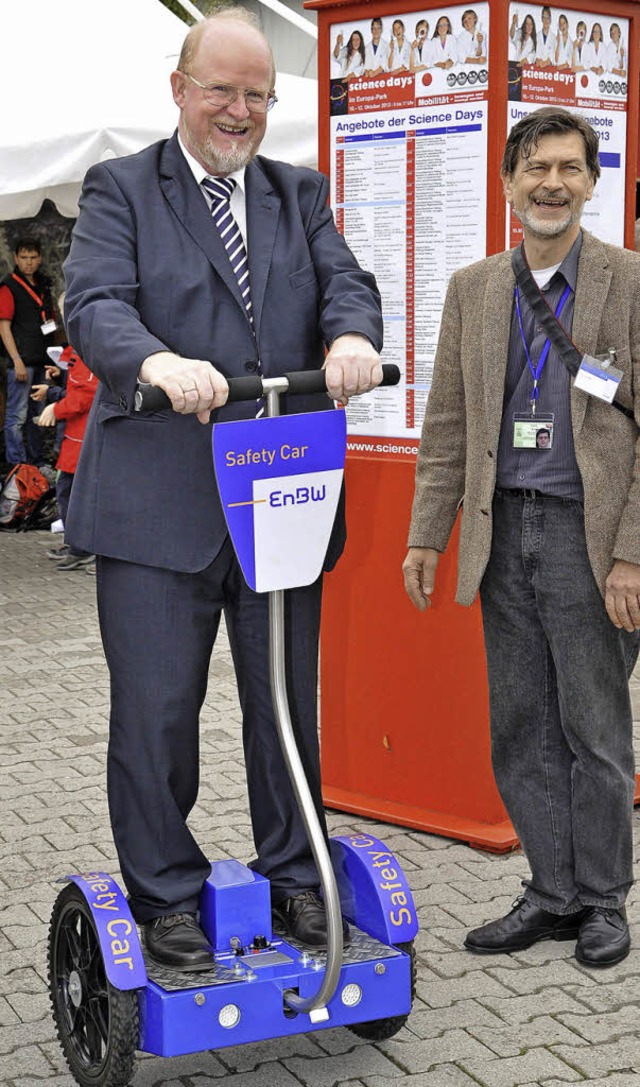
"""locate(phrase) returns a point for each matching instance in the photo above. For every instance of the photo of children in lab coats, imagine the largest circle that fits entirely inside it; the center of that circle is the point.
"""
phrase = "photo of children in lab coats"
(446, 49)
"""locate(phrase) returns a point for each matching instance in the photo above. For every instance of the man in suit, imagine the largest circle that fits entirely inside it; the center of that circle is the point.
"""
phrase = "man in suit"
(154, 295)
(550, 537)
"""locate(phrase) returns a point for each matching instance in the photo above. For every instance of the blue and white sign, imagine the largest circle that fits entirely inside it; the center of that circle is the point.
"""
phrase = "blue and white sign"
(279, 481)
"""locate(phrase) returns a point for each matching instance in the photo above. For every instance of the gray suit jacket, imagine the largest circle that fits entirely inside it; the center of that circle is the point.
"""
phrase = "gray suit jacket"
(457, 459)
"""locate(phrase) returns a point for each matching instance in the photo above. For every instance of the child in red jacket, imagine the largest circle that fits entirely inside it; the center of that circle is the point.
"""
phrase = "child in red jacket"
(73, 408)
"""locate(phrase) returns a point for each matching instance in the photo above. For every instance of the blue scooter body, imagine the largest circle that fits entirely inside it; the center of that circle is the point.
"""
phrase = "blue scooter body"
(242, 999)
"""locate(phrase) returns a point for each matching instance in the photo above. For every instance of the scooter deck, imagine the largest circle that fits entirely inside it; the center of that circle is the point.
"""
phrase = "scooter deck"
(242, 998)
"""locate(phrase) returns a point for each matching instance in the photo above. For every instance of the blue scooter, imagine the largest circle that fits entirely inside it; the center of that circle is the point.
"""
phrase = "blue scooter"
(109, 998)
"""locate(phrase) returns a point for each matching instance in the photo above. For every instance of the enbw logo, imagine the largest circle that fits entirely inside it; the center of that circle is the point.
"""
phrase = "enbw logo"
(299, 497)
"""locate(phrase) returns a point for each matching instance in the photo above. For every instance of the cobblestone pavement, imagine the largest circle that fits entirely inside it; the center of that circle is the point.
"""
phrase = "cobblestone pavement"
(498, 1021)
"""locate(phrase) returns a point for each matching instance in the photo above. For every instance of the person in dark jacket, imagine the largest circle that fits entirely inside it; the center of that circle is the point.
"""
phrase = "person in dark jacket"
(27, 320)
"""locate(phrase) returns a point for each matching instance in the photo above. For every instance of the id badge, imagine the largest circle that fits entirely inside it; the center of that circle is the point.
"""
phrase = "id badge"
(48, 327)
(533, 431)
(598, 380)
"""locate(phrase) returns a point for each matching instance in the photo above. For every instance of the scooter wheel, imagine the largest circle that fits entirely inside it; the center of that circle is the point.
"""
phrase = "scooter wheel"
(377, 1030)
(97, 1025)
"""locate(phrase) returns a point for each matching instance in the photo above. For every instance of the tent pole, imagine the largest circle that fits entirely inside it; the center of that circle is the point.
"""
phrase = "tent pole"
(291, 16)
(273, 5)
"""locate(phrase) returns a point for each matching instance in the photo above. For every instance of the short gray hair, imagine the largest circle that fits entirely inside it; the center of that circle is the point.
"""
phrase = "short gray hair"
(548, 121)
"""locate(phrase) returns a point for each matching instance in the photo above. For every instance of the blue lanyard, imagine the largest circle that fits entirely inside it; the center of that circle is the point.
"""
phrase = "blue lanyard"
(536, 371)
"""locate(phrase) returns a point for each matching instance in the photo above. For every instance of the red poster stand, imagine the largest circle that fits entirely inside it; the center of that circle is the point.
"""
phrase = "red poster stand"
(404, 707)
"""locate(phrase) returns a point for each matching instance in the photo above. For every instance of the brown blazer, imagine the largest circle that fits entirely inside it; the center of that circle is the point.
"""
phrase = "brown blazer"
(457, 458)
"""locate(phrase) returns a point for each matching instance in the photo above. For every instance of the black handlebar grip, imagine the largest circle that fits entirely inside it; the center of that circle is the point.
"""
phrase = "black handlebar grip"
(390, 374)
(152, 398)
(244, 388)
(306, 382)
(313, 381)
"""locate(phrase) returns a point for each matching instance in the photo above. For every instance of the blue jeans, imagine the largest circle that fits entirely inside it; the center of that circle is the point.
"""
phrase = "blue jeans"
(22, 438)
(561, 720)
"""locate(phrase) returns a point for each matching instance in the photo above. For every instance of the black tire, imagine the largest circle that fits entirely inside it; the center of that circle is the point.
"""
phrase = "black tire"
(378, 1030)
(97, 1025)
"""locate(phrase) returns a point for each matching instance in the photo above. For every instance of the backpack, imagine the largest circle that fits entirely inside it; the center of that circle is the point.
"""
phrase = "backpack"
(21, 492)
(42, 516)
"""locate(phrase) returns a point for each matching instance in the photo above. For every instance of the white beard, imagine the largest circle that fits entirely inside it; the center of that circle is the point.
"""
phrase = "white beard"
(542, 228)
(221, 162)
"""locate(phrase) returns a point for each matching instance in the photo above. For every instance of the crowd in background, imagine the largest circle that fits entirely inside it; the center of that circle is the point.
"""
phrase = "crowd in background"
(47, 393)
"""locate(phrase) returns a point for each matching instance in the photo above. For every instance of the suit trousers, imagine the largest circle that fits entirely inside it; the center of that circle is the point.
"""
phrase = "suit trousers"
(561, 720)
(158, 629)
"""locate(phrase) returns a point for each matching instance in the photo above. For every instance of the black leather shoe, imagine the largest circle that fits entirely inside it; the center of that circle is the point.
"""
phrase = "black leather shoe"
(604, 937)
(523, 926)
(177, 941)
(304, 917)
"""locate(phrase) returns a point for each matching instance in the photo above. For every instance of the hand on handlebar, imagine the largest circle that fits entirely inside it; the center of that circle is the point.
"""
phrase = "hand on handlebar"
(352, 367)
(193, 386)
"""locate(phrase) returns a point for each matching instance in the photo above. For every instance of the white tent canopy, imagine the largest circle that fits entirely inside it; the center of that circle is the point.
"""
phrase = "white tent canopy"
(83, 81)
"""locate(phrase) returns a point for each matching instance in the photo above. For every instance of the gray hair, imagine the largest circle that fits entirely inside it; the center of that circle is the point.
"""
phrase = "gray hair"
(548, 121)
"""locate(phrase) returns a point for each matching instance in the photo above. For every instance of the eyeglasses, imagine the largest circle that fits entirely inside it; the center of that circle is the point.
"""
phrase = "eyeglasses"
(219, 94)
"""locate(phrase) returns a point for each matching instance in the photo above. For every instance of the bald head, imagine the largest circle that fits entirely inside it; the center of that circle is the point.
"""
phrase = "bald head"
(235, 21)
(225, 53)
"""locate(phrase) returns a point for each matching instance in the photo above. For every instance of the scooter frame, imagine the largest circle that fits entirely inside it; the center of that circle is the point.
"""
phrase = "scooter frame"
(109, 999)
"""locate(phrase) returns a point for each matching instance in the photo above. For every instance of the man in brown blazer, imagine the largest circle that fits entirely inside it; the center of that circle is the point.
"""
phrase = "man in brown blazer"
(550, 537)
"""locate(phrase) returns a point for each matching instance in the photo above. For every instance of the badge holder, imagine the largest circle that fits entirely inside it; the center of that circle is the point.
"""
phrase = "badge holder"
(598, 377)
(533, 431)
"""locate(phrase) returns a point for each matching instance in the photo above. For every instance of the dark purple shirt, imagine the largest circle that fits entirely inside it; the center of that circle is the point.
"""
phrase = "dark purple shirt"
(552, 471)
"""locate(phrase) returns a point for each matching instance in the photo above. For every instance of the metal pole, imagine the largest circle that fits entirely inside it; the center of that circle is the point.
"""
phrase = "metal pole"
(292, 758)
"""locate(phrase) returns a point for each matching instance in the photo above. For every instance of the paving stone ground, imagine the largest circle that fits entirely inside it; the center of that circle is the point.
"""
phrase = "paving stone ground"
(498, 1021)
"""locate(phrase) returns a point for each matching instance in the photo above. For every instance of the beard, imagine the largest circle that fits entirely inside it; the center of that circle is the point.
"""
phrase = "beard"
(547, 228)
(218, 161)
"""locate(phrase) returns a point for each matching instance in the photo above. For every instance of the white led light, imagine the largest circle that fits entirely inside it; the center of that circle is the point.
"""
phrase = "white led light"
(351, 995)
(229, 1016)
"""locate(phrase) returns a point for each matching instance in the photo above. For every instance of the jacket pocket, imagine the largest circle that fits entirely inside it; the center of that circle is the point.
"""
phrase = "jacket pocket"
(303, 277)
(107, 412)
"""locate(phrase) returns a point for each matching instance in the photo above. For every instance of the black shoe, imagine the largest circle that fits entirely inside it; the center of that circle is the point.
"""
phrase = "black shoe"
(304, 917)
(177, 941)
(522, 927)
(604, 937)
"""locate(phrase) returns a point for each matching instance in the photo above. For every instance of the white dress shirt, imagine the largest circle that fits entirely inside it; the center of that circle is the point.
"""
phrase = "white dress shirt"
(238, 201)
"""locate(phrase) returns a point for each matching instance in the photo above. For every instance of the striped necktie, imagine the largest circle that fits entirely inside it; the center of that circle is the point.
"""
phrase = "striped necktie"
(220, 190)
